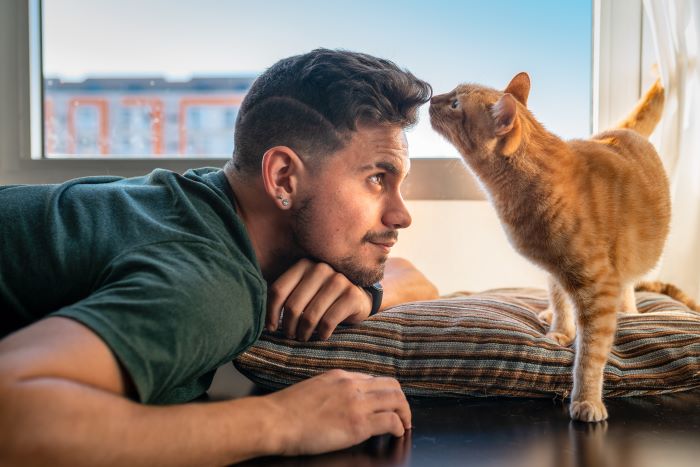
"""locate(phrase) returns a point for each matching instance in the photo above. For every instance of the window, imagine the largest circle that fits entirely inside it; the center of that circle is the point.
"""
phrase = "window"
(30, 154)
(153, 78)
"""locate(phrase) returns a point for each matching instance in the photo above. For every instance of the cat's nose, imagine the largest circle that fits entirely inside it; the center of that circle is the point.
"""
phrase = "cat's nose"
(439, 98)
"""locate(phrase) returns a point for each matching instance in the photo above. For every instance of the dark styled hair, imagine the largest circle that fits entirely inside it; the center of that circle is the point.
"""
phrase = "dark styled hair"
(313, 102)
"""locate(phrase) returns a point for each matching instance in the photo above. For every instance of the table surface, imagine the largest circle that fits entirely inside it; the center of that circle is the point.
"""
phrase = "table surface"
(649, 431)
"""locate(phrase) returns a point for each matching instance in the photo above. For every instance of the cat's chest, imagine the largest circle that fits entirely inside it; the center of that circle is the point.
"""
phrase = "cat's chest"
(527, 225)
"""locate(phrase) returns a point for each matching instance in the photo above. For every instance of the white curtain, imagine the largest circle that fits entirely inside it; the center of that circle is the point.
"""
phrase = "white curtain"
(675, 28)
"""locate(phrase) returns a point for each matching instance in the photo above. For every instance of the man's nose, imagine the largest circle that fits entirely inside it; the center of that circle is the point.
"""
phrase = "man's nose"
(398, 216)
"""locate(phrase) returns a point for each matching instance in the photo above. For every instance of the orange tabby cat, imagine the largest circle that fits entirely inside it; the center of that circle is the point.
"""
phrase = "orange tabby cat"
(593, 213)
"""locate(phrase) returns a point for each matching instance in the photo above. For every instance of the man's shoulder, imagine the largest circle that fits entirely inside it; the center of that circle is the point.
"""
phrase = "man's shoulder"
(190, 260)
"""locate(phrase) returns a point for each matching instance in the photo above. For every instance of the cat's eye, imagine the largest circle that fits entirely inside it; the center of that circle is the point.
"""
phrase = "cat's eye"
(455, 104)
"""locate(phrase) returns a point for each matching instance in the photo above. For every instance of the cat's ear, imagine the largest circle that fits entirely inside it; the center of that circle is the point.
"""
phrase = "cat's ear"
(504, 112)
(519, 87)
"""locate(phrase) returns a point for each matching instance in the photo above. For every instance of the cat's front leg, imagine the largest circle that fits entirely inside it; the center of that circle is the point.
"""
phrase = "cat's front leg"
(559, 315)
(629, 300)
(596, 308)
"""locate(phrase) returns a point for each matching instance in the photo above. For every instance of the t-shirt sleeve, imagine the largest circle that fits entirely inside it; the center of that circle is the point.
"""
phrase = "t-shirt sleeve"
(171, 313)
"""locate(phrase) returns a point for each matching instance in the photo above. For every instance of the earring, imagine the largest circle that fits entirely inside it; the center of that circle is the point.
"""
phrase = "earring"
(285, 201)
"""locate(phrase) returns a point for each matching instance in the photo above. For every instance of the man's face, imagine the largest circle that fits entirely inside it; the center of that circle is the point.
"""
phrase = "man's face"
(350, 208)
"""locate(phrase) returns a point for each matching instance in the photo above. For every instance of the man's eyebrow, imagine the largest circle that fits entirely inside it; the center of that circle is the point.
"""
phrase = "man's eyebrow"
(388, 166)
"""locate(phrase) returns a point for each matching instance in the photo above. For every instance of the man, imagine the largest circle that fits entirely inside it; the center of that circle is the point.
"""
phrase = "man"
(119, 291)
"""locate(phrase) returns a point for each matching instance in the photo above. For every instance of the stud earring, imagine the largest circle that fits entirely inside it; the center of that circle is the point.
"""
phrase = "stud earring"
(285, 201)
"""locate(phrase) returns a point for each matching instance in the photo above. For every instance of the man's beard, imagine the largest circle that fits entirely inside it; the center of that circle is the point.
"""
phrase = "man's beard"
(303, 220)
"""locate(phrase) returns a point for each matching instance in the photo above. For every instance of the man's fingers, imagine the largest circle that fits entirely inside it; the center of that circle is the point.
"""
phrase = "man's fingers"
(380, 383)
(391, 400)
(384, 393)
(343, 374)
(280, 290)
(348, 308)
(386, 422)
(320, 305)
(336, 314)
(380, 395)
(314, 297)
(298, 301)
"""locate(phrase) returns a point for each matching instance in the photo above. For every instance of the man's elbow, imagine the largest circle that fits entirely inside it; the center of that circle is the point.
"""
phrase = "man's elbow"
(411, 282)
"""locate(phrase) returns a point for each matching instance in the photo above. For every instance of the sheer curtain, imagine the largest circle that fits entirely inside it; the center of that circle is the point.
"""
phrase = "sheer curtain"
(676, 32)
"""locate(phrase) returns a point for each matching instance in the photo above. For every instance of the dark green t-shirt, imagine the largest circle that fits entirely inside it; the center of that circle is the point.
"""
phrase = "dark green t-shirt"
(160, 267)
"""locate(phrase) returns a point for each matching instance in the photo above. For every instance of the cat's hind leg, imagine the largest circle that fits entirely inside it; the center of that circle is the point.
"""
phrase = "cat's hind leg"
(559, 315)
(596, 305)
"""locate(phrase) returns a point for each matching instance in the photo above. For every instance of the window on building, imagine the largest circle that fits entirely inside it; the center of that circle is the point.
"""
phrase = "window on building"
(152, 78)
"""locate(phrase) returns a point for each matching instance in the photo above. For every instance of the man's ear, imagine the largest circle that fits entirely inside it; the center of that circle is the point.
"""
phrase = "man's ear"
(504, 113)
(519, 87)
(281, 167)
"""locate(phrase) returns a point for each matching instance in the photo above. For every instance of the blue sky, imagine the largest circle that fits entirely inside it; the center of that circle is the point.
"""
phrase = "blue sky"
(443, 42)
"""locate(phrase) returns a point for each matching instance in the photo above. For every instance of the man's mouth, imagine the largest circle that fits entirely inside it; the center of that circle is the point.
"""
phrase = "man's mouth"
(384, 246)
(384, 241)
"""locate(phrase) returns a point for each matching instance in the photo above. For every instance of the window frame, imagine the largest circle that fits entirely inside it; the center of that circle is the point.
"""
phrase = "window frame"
(617, 69)
(21, 133)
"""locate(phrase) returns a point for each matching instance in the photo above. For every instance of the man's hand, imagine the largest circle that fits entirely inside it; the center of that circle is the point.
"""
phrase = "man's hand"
(336, 410)
(314, 297)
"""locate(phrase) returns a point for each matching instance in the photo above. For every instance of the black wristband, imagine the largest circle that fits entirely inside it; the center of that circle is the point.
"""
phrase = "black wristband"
(377, 292)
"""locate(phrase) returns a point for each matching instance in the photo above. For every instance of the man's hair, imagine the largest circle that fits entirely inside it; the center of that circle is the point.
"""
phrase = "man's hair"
(313, 102)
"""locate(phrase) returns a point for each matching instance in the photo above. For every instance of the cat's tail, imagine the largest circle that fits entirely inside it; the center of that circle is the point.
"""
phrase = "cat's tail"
(647, 112)
(670, 290)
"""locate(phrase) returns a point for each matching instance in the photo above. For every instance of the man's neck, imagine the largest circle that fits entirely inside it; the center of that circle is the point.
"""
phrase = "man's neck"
(265, 223)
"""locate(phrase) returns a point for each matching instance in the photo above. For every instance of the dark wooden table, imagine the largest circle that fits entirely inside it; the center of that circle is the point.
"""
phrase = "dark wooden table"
(651, 431)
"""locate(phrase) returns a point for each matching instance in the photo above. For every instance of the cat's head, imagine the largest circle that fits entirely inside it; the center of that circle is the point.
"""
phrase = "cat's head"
(482, 122)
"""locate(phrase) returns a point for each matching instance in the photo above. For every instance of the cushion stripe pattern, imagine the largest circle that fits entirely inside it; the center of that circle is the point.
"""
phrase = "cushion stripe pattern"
(489, 344)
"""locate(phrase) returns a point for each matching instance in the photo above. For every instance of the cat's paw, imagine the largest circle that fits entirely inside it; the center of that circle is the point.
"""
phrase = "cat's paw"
(562, 339)
(546, 316)
(588, 411)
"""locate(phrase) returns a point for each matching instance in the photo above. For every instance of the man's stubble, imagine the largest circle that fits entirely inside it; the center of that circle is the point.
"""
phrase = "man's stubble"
(305, 218)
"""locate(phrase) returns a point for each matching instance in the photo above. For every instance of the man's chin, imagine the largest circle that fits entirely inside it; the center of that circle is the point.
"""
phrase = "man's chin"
(361, 276)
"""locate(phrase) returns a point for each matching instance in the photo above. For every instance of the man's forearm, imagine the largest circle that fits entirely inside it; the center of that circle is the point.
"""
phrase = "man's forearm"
(58, 422)
(404, 283)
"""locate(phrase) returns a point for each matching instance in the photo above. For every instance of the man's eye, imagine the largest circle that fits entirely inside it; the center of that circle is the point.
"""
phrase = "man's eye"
(377, 178)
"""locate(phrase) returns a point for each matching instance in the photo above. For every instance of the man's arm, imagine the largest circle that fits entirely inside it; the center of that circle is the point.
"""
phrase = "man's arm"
(404, 283)
(62, 402)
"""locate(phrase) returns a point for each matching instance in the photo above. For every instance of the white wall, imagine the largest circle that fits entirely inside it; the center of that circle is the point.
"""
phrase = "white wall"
(460, 245)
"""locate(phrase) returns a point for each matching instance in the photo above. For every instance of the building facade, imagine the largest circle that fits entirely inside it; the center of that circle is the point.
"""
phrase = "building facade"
(142, 116)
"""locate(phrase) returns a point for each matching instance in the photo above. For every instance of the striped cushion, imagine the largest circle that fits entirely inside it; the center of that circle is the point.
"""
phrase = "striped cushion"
(489, 344)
